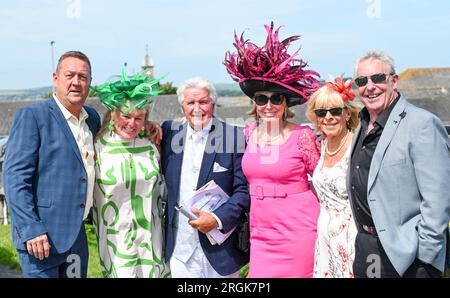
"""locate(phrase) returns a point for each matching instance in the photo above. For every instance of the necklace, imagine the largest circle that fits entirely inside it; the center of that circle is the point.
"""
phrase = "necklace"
(270, 139)
(130, 156)
(340, 146)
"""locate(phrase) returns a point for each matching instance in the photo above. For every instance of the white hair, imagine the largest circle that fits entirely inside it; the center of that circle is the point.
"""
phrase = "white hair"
(380, 56)
(197, 82)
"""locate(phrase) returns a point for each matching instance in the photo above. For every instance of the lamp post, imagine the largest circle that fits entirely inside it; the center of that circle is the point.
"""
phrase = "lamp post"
(53, 61)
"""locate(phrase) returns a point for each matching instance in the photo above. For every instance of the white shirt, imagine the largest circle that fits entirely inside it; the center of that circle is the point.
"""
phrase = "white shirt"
(187, 244)
(85, 142)
(194, 148)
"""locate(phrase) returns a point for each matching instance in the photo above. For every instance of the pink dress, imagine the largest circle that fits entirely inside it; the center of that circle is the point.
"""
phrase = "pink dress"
(283, 211)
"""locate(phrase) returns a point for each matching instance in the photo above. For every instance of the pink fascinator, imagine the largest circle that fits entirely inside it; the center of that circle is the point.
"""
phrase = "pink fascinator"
(345, 89)
(271, 68)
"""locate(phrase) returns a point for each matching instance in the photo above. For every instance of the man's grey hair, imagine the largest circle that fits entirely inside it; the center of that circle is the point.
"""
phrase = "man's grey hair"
(380, 56)
(197, 82)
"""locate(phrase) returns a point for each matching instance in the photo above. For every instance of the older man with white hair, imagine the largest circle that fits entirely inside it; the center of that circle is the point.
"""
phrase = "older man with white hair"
(196, 150)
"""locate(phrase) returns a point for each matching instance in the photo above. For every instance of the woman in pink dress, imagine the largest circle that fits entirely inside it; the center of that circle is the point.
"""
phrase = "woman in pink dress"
(278, 157)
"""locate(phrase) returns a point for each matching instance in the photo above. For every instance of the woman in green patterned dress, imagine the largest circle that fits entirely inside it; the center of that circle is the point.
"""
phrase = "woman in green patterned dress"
(129, 188)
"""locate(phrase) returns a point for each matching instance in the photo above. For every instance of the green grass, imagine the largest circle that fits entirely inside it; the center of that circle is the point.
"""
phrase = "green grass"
(8, 254)
(94, 269)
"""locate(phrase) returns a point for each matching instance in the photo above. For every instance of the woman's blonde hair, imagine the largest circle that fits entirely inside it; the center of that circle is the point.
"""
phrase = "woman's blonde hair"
(323, 97)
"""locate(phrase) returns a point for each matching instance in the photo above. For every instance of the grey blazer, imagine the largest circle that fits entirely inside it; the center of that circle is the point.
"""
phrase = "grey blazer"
(409, 187)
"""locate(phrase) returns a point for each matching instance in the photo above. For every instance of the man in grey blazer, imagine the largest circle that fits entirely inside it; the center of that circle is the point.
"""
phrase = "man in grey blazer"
(398, 179)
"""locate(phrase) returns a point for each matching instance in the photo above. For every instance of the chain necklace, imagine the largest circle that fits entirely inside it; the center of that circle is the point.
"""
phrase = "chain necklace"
(130, 156)
(270, 140)
(344, 140)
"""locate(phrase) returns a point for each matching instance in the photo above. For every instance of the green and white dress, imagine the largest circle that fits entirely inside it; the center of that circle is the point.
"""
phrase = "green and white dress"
(128, 208)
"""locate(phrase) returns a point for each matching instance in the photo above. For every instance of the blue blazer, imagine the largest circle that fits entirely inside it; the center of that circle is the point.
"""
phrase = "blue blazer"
(44, 177)
(225, 146)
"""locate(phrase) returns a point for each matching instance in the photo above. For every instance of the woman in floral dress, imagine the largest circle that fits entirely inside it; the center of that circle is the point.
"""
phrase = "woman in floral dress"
(336, 117)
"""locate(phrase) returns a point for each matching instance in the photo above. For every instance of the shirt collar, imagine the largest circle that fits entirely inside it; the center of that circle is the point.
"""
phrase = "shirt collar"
(384, 116)
(203, 133)
(67, 115)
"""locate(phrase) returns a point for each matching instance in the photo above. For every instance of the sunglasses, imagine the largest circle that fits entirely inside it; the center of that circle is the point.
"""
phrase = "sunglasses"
(375, 78)
(262, 100)
(323, 112)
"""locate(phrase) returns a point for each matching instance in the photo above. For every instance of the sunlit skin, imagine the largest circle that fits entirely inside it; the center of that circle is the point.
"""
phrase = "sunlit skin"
(72, 84)
(376, 97)
(270, 112)
(335, 129)
(128, 126)
(333, 126)
(272, 123)
(197, 107)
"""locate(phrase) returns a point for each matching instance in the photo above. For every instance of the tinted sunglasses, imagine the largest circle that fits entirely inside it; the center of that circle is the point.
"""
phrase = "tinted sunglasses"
(323, 112)
(262, 100)
(375, 78)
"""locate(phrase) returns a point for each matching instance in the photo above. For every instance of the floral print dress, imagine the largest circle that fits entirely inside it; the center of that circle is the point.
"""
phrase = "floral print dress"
(335, 245)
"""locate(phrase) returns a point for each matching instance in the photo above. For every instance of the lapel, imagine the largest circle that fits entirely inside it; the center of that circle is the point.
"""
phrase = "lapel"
(177, 156)
(59, 117)
(213, 143)
(397, 114)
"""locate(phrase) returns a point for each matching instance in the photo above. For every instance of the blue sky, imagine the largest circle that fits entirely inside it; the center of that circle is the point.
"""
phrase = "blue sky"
(189, 37)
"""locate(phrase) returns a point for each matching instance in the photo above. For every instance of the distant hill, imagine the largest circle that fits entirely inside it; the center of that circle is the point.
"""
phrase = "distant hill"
(231, 89)
(24, 94)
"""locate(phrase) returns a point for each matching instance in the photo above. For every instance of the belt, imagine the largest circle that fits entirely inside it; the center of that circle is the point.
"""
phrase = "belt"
(371, 230)
(276, 190)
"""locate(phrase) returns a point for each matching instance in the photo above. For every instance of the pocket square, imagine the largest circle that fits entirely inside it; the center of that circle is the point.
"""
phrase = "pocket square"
(218, 168)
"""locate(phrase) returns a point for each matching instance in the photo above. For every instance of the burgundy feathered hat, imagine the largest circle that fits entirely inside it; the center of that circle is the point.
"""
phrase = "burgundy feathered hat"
(271, 68)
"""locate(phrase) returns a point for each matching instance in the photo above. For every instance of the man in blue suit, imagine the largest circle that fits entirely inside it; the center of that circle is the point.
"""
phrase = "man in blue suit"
(398, 179)
(49, 174)
(195, 150)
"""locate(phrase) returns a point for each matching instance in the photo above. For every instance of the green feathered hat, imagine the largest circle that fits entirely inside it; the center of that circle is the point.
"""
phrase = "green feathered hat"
(129, 93)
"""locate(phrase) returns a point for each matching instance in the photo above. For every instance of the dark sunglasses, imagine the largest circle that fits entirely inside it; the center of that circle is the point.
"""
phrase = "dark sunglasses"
(323, 112)
(375, 78)
(262, 100)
